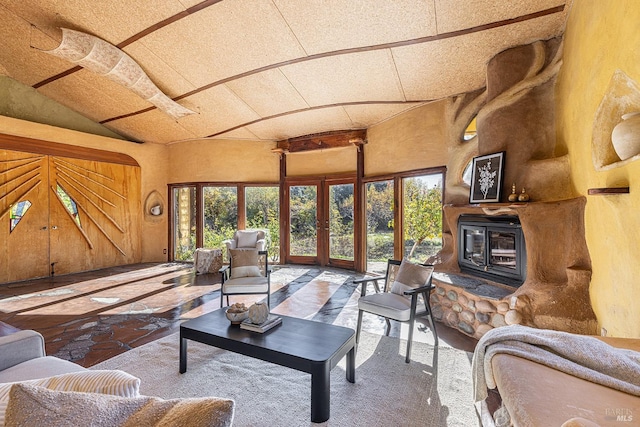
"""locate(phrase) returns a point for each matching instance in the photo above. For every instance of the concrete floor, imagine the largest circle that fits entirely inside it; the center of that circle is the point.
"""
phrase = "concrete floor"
(90, 317)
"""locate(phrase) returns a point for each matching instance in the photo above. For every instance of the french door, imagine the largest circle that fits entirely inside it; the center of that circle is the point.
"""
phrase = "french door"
(320, 226)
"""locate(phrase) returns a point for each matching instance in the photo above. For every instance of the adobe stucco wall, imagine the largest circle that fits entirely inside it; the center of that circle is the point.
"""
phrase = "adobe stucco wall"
(412, 140)
(602, 37)
(152, 158)
(222, 161)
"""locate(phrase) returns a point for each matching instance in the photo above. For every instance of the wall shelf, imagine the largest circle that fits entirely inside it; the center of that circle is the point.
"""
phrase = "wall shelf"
(608, 190)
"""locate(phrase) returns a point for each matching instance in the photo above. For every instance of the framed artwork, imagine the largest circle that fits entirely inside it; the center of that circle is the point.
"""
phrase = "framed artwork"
(486, 178)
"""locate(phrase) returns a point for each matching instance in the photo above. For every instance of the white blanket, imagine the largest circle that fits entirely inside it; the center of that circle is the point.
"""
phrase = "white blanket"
(579, 355)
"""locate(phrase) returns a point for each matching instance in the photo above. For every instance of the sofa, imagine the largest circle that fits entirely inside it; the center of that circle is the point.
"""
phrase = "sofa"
(553, 378)
(36, 387)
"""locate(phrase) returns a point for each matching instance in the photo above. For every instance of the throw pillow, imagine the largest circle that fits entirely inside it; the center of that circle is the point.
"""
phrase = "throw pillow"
(410, 276)
(247, 239)
(32, 405)
(244, 263)
(114, 382)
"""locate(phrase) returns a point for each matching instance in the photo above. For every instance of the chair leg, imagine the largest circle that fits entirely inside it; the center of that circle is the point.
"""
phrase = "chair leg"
(388, 326)
(412, 322)
(359, 326)
(221, 298)
(432, 323)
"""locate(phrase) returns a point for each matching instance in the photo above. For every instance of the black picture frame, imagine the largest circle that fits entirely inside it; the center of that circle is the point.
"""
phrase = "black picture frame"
(486, 178)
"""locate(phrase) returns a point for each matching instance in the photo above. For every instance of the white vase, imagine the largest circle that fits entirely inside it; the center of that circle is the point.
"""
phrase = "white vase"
(626, 136)
(259, 313)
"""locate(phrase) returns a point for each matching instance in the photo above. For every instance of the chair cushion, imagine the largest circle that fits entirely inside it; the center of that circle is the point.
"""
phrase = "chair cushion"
(243, 285)
(388, 305)
(247, 238)
(32, 405)
(244, 263)
(410, 276)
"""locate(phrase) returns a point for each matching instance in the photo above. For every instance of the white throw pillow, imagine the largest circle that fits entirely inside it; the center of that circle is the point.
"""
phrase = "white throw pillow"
(247, 239)
(114, 382)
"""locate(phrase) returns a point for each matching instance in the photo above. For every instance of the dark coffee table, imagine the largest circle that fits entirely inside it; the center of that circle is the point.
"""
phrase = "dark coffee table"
(304, 345)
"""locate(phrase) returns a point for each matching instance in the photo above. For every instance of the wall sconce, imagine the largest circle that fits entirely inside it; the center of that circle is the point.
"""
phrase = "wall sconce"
(626, 136)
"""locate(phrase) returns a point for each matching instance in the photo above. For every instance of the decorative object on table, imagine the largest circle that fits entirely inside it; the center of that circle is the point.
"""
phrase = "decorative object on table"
(523, 197)
(486, 178)
(513, 197)
(272, 320)
(626, 136)
(259, 313)
(237, 313)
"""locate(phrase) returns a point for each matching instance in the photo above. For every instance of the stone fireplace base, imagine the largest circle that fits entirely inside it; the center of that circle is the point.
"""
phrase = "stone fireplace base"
(555, 294)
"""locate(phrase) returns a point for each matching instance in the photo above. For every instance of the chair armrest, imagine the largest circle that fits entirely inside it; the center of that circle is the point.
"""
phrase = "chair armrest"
(230, 244)
(365, 280)
(224, 271)
(419, 290)
(20, 347)
(261, 244)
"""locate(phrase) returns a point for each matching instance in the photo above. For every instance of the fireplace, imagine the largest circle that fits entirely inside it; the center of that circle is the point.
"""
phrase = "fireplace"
(492, 247)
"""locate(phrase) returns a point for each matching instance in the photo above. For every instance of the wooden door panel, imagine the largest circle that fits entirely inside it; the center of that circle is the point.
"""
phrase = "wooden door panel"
(95, 214)
(24, 250)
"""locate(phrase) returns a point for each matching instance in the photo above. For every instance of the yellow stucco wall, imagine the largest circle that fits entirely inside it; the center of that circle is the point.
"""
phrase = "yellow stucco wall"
(412, 140)
(601, 37)
(323, 162)
(152, 159)
(223, 161)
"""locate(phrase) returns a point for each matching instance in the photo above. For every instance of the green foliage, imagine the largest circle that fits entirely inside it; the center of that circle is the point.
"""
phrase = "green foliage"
(422, 213)
(220, 206)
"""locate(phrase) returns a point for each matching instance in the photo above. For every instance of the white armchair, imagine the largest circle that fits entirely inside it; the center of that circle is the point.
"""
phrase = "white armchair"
(247, 239)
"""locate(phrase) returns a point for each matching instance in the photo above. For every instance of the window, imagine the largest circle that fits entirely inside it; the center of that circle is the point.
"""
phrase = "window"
(379, 220)
(422, 216)
(68, 203)
(184, 223)
(17, 212)
(262, 211)
(220, 205)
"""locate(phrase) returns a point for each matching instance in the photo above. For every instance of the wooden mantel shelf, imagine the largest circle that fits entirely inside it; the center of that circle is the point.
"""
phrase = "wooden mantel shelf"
(608, 190)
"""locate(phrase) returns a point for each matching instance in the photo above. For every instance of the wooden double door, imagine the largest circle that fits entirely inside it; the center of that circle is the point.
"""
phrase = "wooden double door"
(61, 215)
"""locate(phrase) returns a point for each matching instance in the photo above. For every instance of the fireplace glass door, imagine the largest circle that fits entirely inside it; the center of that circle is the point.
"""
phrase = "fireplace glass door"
(474, 245)
(502, 249)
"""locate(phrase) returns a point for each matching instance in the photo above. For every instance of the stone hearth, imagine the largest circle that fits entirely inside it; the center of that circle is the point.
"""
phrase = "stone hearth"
(555, 294)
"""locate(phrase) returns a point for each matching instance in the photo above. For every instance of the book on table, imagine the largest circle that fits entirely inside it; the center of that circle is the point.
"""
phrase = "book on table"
(272, 321)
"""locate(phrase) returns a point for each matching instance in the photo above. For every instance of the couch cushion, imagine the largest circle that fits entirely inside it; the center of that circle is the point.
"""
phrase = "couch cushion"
(112, 382)
(246, 285)
(40, 367)
(32, 405)
(410, 276)
(244, 263)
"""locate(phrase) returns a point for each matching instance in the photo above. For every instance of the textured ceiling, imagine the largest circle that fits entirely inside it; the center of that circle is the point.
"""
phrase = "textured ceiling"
(269, 69)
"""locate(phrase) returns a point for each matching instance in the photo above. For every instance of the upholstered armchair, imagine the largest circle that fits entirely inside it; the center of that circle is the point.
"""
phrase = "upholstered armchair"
(405, 284)
(246, 239)
(248, 273)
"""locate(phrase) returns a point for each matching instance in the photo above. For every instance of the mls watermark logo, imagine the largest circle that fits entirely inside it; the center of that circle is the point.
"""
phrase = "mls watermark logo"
(619, 414)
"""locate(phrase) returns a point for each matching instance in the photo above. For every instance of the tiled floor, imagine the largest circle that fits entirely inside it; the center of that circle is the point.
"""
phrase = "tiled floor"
(90, 317)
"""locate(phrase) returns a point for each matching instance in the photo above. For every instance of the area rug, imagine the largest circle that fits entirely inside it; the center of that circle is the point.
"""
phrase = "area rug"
(387, 391)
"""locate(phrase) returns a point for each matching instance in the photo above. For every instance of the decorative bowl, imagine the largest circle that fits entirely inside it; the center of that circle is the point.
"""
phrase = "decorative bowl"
(237, 317)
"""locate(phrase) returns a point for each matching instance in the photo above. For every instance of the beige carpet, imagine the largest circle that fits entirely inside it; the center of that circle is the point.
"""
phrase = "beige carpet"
(387, 391)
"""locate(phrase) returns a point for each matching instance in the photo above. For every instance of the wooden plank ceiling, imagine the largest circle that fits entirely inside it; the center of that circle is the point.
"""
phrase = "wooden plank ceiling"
(269, 70)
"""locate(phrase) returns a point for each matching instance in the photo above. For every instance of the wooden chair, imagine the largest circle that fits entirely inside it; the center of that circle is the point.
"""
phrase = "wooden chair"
(248, 273)
(403, 286)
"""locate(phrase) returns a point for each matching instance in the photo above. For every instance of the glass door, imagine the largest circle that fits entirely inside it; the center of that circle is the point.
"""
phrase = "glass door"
(303, 223)
(184, 223)
(339, 224)
(321, 225)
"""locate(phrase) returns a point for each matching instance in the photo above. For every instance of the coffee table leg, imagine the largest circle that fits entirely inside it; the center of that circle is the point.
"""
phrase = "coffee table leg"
(351, 365)
(320, 394)
(183, 355)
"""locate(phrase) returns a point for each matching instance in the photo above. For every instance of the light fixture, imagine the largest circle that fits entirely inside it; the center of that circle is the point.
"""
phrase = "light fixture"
(103, 58)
